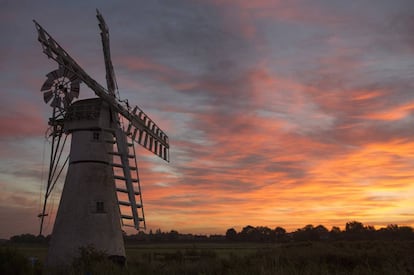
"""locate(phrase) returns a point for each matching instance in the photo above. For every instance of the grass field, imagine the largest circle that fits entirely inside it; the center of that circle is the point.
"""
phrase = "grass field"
(346, 257)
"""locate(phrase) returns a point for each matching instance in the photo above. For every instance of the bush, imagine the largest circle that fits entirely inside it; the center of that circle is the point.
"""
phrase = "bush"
(92, 261)
(14, 263)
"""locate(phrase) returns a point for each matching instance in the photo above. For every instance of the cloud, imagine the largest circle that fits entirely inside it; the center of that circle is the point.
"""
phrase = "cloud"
(393, 114)
(278, 113)
(21, 123)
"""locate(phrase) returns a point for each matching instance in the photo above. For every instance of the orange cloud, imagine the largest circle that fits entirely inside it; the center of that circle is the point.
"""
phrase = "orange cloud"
(392, 114)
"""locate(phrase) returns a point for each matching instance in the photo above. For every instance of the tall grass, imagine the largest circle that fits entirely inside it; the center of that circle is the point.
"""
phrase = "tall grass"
(345, 257)
(14, 262)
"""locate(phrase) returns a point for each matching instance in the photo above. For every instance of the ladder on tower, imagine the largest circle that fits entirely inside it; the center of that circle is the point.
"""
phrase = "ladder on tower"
(126, 178)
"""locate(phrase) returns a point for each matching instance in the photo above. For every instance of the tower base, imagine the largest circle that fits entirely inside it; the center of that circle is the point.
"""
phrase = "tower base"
(88, 214)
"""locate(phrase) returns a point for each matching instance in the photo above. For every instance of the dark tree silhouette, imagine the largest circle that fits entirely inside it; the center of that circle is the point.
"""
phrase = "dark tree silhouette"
(321, 232)
(249, 233)
(280, 234)
(231, 234)
(354, 227)
(335, 233)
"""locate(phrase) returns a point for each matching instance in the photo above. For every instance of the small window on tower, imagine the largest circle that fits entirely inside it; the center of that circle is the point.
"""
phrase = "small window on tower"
(100, 207)
(95, 136)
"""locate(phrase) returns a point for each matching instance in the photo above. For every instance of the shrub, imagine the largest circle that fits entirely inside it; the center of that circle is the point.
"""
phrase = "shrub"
(13, 263)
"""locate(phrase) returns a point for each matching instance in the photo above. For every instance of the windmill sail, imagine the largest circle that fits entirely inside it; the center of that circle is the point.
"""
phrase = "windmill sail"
(127, 182)
(151, 136)
(145, 139)
(110, 75)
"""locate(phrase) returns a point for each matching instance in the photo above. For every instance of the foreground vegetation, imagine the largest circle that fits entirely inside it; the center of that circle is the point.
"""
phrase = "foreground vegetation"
(358, 249)
(338, 257)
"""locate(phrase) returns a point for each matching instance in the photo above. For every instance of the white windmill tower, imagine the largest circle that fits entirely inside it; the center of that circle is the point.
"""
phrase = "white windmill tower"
(102, 189)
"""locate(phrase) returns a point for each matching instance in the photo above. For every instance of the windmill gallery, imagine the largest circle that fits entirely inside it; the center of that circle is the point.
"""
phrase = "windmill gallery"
(102, 191)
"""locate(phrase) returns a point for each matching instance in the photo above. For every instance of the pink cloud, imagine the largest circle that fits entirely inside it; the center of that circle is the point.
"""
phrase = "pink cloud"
(23, 120)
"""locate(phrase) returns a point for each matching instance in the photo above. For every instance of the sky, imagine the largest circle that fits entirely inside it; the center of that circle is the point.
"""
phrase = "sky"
(279, 113)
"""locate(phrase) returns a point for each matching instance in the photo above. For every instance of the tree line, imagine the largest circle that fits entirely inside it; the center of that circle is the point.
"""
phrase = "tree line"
(353, 230)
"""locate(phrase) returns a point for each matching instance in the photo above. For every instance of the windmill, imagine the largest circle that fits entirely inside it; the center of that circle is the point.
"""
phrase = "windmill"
(102, 190)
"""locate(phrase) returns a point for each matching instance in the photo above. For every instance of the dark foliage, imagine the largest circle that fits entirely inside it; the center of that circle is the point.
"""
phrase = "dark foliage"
(358, 249)
(334, 257)
(14, 263)
(353, 231)
(30, 239)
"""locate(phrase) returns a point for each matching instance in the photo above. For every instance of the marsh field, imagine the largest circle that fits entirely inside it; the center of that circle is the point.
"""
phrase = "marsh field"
(339, 257)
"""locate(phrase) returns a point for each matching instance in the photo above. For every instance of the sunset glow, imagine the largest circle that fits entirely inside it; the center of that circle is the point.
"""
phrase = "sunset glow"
(278, 113)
